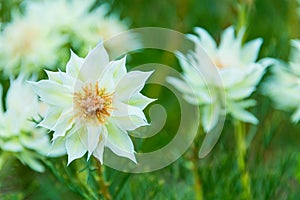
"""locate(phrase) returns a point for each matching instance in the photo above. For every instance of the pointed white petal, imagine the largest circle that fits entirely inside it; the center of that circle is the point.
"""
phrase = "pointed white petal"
(12, 145)
(243, 115)
(57, 148)
(210, 116)
(112, 74)
(123, 109)
(98, 153)
(188, 65)
(54, 76)
(63, 124)
(231, 76)
(129, 123)
(75, 148)
(93, 136)
(74, 65)
(119, 142)
(51, 117)
(227, 38)
(53, 93)
(132, 83)
(33, 163)
(140, 101)
(207, 42)
(119, 69)
(239, 93)
(94, 64)
(296, 116)
(250, 50)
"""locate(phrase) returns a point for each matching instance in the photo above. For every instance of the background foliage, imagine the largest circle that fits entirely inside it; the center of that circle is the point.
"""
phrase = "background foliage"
(273, 156)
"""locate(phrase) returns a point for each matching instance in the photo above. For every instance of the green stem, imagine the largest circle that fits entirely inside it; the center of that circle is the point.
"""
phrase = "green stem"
(104, 186)
(241, 159)
(195, 159)
(197, 186)
(244, 8)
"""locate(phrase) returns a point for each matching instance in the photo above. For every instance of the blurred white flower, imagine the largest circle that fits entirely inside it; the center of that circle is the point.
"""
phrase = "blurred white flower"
(61, 15)
(27, 46)
(284, 84)
(93, 104)
(107, 28)
(82, 25)
(18, 133)
(237, 67)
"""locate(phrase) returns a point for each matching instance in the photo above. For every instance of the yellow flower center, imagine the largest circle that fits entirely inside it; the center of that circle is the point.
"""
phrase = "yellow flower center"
(93, 104)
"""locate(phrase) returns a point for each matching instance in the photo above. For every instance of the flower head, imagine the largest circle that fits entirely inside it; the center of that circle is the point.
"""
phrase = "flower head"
(22, 47)
(238, 69)
(106, 27)
(18, 133)
(284, 84)
(93, 104)
(82, 25)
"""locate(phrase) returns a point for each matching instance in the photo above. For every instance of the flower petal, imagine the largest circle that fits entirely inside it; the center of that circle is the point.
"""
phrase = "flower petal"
(63, 124)
(58, 148)
(123, 109)
(119, 69)
(242, 114)
(140, 101)
(51, 117)
(33, 163)
(75, 148)
(250, 50)
(296, 116)
(52, 93)
(98, 152)
(206, 41)
(211, 114)
(12, 145)
(119, 142)
(132, 83)
(94, 64)
(93, 136)
(74, 65)
(54, 76)
(129, 123)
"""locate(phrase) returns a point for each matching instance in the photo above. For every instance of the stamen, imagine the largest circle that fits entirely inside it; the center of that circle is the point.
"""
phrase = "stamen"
(93, 104)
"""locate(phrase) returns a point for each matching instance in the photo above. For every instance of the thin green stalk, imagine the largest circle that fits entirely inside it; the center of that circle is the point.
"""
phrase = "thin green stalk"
(198, 185)
(195, 159)
(241, 159)
(244, 8)
(104, 186)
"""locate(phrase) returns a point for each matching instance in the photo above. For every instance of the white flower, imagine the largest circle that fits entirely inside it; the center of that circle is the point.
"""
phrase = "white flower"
(60, 15)
(238, 69)
(18, 133)
(106, 27)
(93, 104)
(22, 47)
(81, 25)
(284, 84)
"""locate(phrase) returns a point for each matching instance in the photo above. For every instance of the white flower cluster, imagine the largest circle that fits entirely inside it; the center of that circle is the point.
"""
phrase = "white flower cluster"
(238, 69)
(96, 102)
(19, 136)
(41, 36)
(284, 85)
